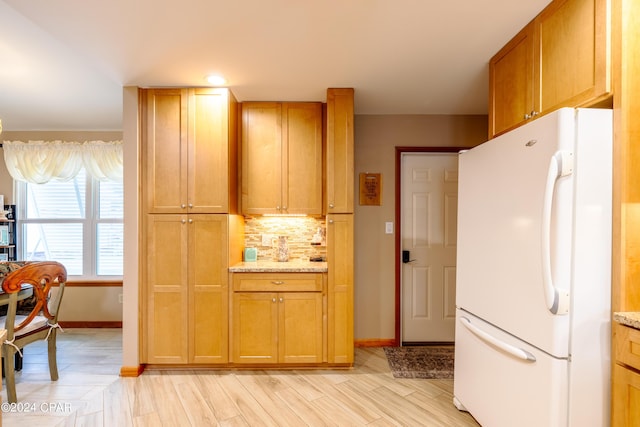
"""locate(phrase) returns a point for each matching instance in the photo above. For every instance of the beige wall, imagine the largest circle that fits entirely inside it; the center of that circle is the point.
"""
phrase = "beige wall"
(375, 140)
(78, 136)
(91, 304)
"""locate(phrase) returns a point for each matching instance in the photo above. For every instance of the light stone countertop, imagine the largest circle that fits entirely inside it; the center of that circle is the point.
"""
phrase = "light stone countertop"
(628, 318)
(297, 266)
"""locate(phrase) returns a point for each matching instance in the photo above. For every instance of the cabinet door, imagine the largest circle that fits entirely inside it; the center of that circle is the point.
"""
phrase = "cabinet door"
(165, 328)
(261, 158)
(339, 151)
(165, 147)
(626, 397)
(255, 327)
(209, 148)
(340, 288)
(573, 54)
(302, 158)
(208, 288)
(300, 327)
(511, 83)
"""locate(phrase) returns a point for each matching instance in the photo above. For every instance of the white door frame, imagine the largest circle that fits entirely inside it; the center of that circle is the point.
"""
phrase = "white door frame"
(398, 237)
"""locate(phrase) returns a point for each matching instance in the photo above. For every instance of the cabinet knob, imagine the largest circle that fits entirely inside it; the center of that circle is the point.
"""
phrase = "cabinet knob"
(284, 208)
(331, 205)
(190, 205)
(281, 299)
(273, 300)
(182, 206)
(190, 221)
(330, 221)
(277, 282)
(277, 208)
(184, 221)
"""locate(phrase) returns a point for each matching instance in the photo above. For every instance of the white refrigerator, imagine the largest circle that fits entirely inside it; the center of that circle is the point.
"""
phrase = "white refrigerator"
(532, 344)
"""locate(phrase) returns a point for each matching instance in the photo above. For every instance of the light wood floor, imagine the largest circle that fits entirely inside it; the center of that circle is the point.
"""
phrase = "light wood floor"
(90, 393)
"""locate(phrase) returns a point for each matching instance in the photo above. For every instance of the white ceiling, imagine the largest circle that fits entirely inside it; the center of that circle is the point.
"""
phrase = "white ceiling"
(63, 62)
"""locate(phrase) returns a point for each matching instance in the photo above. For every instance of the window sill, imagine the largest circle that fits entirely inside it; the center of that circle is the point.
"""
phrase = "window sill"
(92, 283)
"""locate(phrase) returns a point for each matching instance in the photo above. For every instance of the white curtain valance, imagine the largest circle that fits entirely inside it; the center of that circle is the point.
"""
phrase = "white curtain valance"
(38, 162)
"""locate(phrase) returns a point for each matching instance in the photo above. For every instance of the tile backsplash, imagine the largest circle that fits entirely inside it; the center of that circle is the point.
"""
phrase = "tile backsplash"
(298, 230)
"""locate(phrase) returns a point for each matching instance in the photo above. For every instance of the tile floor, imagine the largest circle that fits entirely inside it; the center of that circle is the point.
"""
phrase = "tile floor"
(89, 360)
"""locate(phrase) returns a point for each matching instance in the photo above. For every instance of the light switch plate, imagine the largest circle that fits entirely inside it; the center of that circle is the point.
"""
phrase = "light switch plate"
(388, 227)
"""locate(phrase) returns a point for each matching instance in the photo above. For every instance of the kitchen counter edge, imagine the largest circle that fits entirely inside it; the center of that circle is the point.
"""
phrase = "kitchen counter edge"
(628, 318)
(279, 267)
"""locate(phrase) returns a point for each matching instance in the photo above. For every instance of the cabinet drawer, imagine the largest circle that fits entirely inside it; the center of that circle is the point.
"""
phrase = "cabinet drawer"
(628, 346)
(277, 282)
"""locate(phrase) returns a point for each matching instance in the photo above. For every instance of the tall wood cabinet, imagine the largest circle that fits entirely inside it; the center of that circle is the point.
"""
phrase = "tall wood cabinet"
(339, 208)
(281, 158)
(560, 59)
(191, 234)
(626, 211)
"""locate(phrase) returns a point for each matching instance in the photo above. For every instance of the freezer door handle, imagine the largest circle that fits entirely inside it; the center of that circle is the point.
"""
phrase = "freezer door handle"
(557, 300)
(490, 339)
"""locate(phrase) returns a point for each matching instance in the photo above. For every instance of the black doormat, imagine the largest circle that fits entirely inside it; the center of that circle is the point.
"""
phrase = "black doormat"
(426, 362)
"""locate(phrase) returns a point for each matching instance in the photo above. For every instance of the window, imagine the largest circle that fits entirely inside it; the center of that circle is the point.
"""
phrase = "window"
(78, 222)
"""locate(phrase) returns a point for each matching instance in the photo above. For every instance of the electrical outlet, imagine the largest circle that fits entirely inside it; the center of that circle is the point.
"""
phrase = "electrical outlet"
(120, 298)
(388, 227)
(267, 239)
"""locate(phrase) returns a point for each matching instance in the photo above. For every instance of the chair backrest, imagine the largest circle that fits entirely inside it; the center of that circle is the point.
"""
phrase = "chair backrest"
(41, 276)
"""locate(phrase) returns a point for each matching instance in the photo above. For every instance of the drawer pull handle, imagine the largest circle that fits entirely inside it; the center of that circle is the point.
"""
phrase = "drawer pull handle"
(277, 282)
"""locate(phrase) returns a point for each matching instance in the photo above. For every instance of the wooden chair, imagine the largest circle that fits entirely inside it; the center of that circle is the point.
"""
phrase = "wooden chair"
(40, 324)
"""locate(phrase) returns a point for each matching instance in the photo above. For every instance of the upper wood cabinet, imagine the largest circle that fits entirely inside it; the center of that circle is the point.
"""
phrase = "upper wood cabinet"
(281, 158)
(190, 153)
(560, 59)
(339, 151)
(511, 83)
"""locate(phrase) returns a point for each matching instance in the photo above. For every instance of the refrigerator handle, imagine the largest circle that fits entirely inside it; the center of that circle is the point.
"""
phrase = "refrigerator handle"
(557, 300)
(490, 339)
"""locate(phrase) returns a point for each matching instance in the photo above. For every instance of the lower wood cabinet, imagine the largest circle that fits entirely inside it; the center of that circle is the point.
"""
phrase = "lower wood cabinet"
(278, 318)
(626, 404)
(186, 288)
(340, 289)
(626, 377)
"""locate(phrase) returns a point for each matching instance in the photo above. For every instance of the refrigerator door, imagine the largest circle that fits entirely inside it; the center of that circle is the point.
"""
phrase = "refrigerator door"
(516, 226)
(504, 382)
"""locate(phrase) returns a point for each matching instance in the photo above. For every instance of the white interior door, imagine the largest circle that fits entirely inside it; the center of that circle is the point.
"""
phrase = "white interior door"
(429, 214)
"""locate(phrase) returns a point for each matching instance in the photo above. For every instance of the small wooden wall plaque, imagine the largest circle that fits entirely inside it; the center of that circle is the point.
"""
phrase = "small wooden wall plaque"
(370, 189)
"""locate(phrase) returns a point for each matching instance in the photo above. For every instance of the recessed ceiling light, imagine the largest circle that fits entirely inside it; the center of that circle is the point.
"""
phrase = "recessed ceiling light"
(216, 79)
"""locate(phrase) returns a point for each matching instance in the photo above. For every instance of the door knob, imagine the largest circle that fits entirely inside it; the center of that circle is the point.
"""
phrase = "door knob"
(406, 257)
